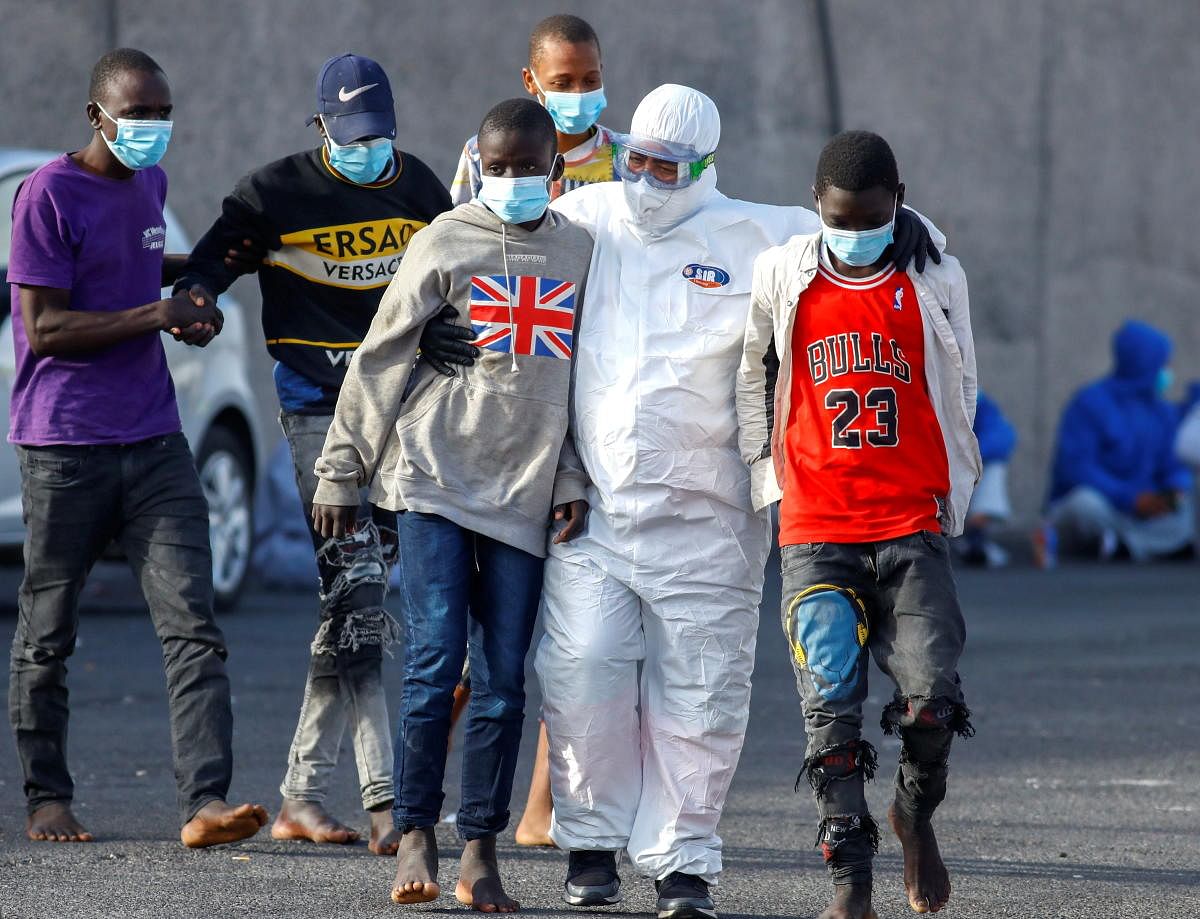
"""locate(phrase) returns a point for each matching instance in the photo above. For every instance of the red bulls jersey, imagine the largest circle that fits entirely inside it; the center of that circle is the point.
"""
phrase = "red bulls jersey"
(865, 456)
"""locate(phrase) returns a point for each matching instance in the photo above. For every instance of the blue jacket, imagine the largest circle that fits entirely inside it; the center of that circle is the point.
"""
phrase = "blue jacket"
(997, 437)
(1117, 435)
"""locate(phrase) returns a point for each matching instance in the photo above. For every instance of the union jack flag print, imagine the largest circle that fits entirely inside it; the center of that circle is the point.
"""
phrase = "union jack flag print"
(543, 315)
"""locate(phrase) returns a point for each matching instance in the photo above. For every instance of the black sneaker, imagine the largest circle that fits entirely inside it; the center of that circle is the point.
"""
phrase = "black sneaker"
(592, 879)
(684, 896)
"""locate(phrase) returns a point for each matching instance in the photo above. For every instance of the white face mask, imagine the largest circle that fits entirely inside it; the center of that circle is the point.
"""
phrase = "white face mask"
(657, 210)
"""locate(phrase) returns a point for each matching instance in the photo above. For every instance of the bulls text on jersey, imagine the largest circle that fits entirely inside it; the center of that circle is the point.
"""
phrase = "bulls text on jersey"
(838, 355)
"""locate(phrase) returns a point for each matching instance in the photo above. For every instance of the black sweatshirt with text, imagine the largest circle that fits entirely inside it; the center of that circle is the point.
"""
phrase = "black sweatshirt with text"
(333, 248)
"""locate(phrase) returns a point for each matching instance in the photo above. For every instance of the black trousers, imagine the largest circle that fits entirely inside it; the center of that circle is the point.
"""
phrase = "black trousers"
(147, 497)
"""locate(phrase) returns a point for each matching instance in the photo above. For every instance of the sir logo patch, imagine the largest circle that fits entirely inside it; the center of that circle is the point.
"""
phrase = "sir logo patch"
(707, 276)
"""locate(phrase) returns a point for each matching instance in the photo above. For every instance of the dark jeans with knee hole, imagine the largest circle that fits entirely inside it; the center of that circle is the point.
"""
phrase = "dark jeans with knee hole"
(916, 635)
(147, 497)
(344, 686)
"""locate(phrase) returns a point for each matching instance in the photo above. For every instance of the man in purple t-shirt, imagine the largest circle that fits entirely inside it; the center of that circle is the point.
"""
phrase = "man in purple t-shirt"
(97, 433)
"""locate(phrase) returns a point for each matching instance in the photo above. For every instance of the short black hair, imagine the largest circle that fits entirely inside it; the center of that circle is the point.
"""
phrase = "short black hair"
(115, 63)
(522, 115)
(563, 27)
(856, 161)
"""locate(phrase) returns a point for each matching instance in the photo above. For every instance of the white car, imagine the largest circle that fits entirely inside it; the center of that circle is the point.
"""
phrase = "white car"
(216, 403)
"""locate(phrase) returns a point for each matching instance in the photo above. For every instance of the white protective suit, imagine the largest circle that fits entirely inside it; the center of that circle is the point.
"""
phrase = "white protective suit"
(670, 570)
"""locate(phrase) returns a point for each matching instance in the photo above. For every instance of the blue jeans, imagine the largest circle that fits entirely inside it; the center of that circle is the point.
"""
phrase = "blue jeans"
(464, 595)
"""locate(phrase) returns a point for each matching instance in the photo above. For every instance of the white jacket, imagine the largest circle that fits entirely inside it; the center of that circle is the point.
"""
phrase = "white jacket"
(781, 274)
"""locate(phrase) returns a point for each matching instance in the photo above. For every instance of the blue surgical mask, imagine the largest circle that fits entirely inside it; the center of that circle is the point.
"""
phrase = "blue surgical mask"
(361, 163)
(515, 200)
(573, 113)
(139, 144)
(1164, 381)
(857, 248)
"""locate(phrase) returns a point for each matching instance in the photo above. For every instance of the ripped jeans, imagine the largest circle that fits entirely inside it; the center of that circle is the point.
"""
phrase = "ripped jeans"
(897, 600)
(344, 686)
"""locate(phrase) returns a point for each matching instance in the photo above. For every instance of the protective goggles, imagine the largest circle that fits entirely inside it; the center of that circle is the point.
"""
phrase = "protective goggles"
(661, 164)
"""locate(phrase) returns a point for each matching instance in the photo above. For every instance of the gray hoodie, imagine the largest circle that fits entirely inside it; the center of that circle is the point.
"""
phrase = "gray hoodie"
(489, 448)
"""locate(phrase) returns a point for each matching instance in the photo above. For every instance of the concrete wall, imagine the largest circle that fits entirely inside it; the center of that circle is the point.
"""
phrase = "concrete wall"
(1053, 140)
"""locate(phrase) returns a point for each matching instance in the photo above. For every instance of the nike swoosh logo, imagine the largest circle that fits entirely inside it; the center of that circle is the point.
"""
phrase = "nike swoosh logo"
(347, 96)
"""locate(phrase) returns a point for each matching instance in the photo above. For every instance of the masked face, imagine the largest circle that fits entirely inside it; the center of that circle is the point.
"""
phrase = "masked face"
(138, 144)
(657, 210)
(519, 200)
(573, 113)
(361, 163)
(569, 84)
(858, 248)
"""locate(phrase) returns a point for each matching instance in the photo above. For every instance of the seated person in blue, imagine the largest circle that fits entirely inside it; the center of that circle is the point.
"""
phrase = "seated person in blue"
(1117, 485)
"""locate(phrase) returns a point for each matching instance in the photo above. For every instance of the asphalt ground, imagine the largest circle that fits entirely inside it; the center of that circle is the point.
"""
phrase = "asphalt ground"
(1079, 796)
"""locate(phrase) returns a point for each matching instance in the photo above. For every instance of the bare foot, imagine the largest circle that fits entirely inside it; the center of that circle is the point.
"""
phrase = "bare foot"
(479, 884)
(309, 821)
(385, 838)
(54, 822)
(529, 834)
(850, 901)
(416, 867)
(534, 828)
(217, 822)
(926, 879)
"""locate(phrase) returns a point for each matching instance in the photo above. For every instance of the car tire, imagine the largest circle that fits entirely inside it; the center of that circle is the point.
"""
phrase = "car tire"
(227, 476)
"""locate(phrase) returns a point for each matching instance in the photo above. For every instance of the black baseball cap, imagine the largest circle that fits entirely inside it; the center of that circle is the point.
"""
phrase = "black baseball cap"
(354, 99)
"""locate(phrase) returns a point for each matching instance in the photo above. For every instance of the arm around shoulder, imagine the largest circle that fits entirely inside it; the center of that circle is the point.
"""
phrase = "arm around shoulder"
(936, 236)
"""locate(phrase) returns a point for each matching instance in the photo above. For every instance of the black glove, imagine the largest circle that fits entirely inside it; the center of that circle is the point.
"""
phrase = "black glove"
(911, 242)
(445, 342)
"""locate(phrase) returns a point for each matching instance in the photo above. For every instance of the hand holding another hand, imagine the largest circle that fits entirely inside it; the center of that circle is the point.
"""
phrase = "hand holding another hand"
(192, 316)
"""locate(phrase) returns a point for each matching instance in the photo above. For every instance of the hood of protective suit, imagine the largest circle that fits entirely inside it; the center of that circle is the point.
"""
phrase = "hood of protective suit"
(679, 115)
(1140, 351)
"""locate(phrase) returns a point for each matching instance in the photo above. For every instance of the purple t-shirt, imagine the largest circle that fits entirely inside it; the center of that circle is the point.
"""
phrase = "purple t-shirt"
(101, 239)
